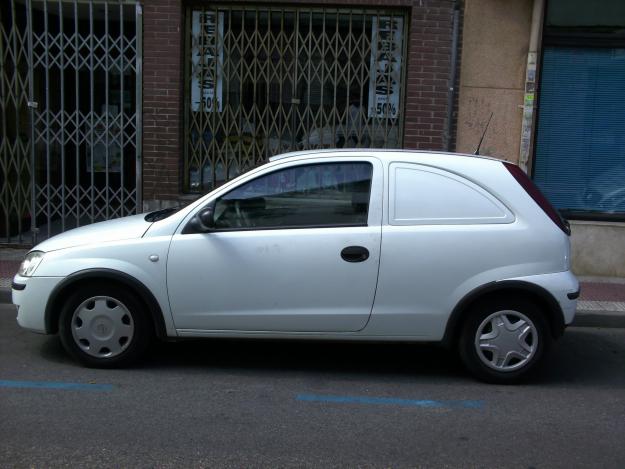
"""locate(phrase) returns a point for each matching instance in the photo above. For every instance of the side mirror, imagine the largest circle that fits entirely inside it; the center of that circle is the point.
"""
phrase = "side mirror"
(202, 222)
(206, 217)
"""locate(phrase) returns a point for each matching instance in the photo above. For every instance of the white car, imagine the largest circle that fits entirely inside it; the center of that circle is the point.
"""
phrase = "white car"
(369, 245)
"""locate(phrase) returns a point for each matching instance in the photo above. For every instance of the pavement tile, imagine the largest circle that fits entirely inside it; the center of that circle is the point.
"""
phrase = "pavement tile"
(10, 254)
(606, 306)
(604, 291)
(7, 270)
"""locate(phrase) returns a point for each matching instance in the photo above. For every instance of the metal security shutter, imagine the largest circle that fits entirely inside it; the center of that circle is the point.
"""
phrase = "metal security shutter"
(580, 143)
(70, 115)
(262, 80)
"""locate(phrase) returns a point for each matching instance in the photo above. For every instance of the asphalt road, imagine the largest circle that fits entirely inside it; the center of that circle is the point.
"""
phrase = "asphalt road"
(274, 404)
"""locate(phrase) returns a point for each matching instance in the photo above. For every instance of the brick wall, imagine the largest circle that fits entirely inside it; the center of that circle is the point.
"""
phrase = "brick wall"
(427, 74)
(162, 99)
(429, 54)
(454, 117)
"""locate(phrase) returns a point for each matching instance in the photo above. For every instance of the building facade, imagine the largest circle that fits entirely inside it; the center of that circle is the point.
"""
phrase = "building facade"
(228, 85)
(113, 107)
(552, 73)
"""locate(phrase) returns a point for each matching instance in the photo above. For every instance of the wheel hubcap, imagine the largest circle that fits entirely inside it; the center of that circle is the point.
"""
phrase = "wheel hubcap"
(506, 340)
(102, 327)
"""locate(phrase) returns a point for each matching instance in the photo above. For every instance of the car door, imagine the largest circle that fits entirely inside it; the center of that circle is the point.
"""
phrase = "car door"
(294, 249)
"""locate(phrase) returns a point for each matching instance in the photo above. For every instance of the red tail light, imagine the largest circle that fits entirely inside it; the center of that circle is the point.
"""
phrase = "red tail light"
(533, 191)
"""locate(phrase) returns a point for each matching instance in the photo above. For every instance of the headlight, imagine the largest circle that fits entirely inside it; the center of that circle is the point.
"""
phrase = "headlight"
(32, 261)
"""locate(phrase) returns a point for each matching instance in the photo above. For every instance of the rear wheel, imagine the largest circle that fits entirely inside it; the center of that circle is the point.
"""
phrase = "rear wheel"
(104, 326)
(504, 340)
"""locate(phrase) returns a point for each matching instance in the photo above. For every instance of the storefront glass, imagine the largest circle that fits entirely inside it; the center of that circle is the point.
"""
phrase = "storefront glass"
(580, 146)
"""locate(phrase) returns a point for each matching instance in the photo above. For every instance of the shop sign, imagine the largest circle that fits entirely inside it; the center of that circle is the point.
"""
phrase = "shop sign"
(207, 56)
(386, 54)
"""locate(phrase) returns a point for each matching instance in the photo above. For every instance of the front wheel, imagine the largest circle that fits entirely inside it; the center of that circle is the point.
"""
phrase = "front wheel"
(502, 341)
(104, 326)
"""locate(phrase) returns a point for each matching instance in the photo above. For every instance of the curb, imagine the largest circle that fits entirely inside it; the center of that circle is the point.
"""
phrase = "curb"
(582, 318)
(609, 319)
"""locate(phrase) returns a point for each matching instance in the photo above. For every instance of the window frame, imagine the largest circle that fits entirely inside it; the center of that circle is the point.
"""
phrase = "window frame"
(302, 164)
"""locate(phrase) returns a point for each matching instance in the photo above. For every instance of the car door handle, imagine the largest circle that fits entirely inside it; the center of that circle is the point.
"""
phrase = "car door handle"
(355, 254)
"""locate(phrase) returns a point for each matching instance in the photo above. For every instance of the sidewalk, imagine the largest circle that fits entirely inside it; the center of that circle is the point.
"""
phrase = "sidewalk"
(10, 260)
(601, 304)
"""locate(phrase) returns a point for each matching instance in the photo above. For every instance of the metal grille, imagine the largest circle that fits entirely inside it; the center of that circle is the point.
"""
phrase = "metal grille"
(265, 80)
(71, 94)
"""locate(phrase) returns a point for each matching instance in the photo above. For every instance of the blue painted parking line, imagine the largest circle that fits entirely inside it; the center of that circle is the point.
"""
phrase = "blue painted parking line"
(427, 403)
(54, 385)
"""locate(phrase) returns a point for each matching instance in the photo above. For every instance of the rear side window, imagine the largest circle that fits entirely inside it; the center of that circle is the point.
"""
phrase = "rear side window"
(423, 195)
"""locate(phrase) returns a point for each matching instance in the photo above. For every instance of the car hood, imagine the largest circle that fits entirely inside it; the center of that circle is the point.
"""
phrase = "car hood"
(113, 230)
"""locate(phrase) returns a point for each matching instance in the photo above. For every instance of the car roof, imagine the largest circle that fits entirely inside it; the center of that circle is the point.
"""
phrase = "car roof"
(386, 153)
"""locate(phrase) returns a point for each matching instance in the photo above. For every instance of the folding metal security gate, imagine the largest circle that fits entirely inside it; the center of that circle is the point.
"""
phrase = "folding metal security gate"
(70, 107)
(262, 80)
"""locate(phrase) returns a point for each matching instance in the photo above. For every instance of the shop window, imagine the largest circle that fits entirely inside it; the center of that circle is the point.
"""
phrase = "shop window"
(580, 142)
(263, 81)
(580, 148)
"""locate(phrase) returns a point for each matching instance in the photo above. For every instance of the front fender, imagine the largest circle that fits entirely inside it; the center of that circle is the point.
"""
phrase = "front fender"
(66, 286)
(126, 261)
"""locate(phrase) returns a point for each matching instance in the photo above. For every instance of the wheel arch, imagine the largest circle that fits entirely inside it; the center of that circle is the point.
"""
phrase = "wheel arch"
(62, 291)
(539, 295)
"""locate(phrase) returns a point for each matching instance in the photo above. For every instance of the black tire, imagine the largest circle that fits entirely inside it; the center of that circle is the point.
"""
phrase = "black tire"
(134, 346)
(539, 339)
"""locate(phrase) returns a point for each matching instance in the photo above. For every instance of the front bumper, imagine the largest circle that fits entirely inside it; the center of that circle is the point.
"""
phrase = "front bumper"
(30, 295)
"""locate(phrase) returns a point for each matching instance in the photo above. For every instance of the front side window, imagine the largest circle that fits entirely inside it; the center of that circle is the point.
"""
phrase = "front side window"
(318, 195)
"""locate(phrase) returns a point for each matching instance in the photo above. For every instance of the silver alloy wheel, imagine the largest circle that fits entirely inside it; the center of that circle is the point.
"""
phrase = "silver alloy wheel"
(506, 340)
(102, 327)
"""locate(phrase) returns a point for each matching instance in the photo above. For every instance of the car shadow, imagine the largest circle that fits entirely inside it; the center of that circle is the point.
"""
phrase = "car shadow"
(585, 356)
(582, 357)
(286, 357)
(52, 350)
(290, 356)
